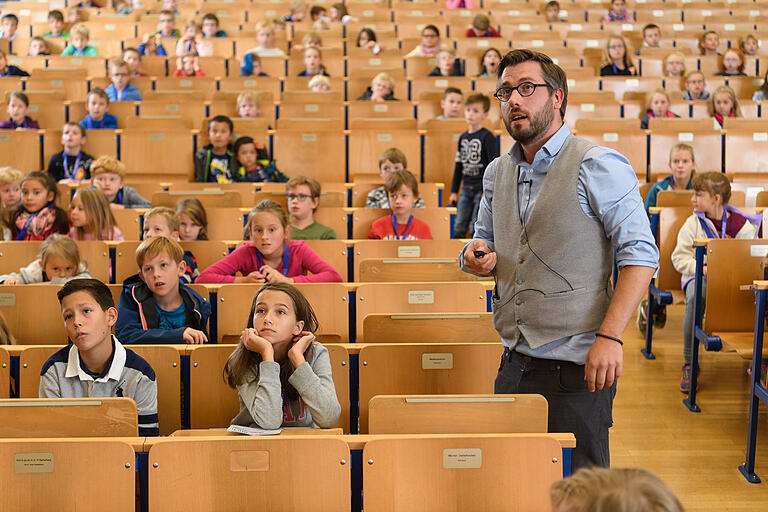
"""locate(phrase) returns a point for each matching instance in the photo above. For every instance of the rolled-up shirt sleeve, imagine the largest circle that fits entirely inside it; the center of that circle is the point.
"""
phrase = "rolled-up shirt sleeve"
(608, 191)
(484, 224)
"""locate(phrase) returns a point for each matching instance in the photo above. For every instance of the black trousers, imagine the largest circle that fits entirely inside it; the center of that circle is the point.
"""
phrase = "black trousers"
(572, 408)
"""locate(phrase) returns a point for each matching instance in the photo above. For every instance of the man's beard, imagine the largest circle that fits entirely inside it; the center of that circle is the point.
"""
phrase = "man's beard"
(538, 124)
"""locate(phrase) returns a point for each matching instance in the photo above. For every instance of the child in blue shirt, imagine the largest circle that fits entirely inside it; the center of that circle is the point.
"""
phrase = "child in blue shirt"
(97, 106)
(121, 88)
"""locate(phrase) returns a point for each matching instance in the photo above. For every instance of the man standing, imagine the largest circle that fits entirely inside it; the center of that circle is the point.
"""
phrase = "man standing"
(554, 210)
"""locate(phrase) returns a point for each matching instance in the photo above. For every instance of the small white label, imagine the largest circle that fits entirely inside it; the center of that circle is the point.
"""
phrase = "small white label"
(466, 14)
(587, 107)
(592, 43)
(33, 462)
(678, 26)
(409, 251)
(754, 12)
(421, 297)
(311, 107)
(658, 13)
(432, 61)
(685, 137)
(563, 13)
(110, 26)
(627, 26)
(249, 83)
(416, 13)
(172, 107)
(7, 299)
(730, 27)
(384, 137)
(368, 13)
(435, 361)
(760, 136)
(185, 83)
(706, 12)
(34, 109)
(524, 27)
(610, 137)
(482, 43)
(271, 12)
(24, 12)
(441, 83)
(78, 61)
(420, 26)
(576, 27)
(758, 251)
(308, 137)
(381, 107)
(537, 43)
(374, 62)
(632, 82)
(571, 82)
(462, 458)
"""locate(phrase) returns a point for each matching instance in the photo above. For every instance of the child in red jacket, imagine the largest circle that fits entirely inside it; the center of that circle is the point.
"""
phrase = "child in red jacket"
(403, 192)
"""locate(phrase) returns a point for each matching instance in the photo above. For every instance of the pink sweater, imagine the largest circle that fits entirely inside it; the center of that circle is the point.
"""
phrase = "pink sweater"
(117, 235)
(243, 259)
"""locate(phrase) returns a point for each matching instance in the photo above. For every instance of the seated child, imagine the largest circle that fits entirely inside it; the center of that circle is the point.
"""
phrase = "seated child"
(18, 105)
(615, 489)
(619, 12)
(188, 65)
(340, 14)
(651, 36)
(447, 63)
(193, 221)
(489, 63)
(281, 372)
(215, 162)
(265, 35)
(303, 195)
(749, 45)
(317, 12)
(481, 27)
(56, 25)
(682, 163)
(313, 63)
(366, 38)
(733, 63)
(97, 106)
(254, 163)
(311, 39)
(552, 12)
(402, 190)
(254, 66)
(674, 65)
(712, 217)
(390, 161)
(108, 175)
(452, 103)
(616, 59)
(657, 107)
(91, 217)
(762, 93)
(38, 217)
(8, 69)
(38, 46)
(709, 42)
(96, 364)
(382, 88)
(132, 57)
(8, 25)
(10, 188)
(78, 45)
(695, 87)
(121, 88)
(724, 104)
(156, 305)
(298, 12)
(151, 44)
(162, 221)
(166, 25)
(248, 104)
(477, 147)
(211, 26)
(193, 41)
(58, 262)
(270, 256)
(74, 15)
(319, 83)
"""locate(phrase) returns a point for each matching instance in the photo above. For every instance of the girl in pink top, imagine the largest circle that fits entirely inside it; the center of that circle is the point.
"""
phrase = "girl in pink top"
(91, 217)
(270, 256)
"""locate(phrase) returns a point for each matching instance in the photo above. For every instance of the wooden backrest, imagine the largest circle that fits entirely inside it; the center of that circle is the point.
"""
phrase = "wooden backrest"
(128, 219)
(329, 300)
(328, 199)
(707, 143)
(279, 473)
(469, 297)
(729, 309)
(214, 404)
(683, 198)
(362, 187)
(408, 249)
(15, 255)
(436, 474)
(164, 360)
(209, 198)
(225, 223)
(440, 145)
(457, 414)
(156, 153)
(632, 143)
(372, 270)
(333, 252)
(5, 373)
(671, 219)
(421, 369)
(429, 328)
(68, 417)
(438, 220)
(744, 149)
(207, 252)
(366, 144)
(321, 155)
(17, 303)
(21, 149)
(77, 474)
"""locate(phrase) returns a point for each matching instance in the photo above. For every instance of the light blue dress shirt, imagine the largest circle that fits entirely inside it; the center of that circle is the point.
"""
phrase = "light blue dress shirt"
(129, 93)
(607, 190)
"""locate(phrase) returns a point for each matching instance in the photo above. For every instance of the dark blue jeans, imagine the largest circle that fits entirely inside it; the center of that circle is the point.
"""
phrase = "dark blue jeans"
(466, 210)
(572, 408)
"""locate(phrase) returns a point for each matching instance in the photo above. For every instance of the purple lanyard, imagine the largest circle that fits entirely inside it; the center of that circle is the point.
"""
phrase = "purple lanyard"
(74, 169)
(22, 125)
(407, 227)
(709, 232)
(286, 259)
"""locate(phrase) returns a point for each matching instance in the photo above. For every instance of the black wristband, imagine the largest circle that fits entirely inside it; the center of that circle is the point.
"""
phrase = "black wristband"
(617, 340)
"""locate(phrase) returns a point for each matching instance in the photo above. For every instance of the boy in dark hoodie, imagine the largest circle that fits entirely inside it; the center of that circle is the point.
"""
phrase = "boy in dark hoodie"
(215, 162)
(155, 306)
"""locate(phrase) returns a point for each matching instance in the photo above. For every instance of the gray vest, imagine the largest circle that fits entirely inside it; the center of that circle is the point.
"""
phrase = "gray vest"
(553, 276)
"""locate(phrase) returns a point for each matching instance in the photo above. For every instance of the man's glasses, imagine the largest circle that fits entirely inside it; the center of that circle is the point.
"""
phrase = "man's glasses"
(525, 89)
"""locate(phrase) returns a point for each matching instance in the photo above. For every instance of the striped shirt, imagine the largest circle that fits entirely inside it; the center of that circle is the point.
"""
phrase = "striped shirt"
(127, 375)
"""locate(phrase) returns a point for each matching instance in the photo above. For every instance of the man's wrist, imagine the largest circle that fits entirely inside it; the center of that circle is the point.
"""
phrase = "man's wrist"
(609, 337)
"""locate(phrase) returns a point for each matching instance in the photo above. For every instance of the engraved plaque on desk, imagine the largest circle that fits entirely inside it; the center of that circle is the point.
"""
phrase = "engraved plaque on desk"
(41, 462)
(437, 361)
(462, 458)
(421, 297)
(409, 251)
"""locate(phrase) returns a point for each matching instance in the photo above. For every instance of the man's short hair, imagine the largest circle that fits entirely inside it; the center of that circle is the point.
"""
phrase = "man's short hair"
(650, 26)
(157, 245)
(168, 214)
(480, 98)
(452, 90)
(395, 156)
(222, 119)
(56, 15)
(93, 287)
(11, 17)
(553, 75)
(397, 179)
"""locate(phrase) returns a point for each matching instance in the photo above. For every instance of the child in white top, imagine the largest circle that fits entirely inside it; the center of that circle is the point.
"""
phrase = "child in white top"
(58, 262)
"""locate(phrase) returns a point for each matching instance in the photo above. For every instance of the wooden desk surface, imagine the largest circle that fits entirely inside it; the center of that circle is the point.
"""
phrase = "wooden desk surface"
(137, 443)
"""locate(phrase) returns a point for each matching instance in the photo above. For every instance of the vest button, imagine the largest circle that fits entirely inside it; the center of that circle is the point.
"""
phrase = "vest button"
(521, 260)
(518, 302)
(523, 241)
(519, 281)
(519, 322)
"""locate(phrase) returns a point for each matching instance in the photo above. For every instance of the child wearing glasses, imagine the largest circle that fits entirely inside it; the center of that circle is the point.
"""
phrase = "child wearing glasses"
(303, 194)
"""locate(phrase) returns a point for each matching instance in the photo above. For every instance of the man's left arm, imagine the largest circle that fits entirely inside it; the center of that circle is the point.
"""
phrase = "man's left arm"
(608, 189)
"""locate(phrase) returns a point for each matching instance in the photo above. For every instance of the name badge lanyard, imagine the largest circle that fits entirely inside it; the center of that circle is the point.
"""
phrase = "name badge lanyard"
(286, 259)
(709, 232)
(407, 227)
(74, 169)
(23, 233)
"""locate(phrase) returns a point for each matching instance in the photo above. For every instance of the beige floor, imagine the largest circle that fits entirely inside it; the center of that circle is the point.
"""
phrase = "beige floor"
(697, 455)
